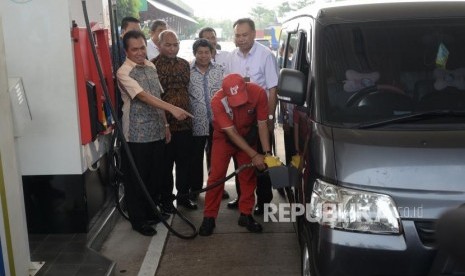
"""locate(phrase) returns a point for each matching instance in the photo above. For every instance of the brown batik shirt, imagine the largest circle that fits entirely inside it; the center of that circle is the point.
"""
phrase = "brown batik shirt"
(174, 76)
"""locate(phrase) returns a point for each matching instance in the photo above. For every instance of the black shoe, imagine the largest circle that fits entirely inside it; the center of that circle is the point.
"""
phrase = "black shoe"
(248, 222)
(193, 197)
(281, 192)
(258, 211)
(155, 219)
(187, 203)
(146, 230)
(208, 224)
(168, 207)
(225, 194)
(233, 204)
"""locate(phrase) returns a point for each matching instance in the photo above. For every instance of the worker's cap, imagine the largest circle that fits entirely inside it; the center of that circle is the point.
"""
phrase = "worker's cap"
(234, 88)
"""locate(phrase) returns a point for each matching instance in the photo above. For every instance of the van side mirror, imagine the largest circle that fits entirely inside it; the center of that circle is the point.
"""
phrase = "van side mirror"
(291, 86)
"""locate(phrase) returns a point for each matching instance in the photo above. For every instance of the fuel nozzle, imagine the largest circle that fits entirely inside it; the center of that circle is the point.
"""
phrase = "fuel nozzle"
(295, 161)
(272, 161)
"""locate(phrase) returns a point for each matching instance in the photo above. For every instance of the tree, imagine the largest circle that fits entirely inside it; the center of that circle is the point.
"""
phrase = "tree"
(297, 5)
(127, 8)
(283, 9)
(225, 25)
(262, 17)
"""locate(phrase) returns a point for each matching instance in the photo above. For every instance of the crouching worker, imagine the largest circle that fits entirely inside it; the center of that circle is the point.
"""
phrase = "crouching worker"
(237, 109)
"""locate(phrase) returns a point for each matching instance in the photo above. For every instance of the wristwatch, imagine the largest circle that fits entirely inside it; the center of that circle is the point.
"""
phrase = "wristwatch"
(270, 117)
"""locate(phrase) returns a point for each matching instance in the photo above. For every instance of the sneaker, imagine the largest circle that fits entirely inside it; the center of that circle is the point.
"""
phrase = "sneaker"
(208, 224)
(187, 203)
(194, 197)
(249, 222)
(258, 210)
(233, 204)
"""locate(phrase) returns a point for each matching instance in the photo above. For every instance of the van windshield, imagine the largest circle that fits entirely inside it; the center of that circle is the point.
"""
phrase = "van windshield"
(377, 71)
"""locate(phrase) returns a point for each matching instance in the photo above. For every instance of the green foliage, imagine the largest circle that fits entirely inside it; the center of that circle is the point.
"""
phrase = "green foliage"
(301, 4)
(283, 9)
(262, 17)
(225, 25)
(127, 8)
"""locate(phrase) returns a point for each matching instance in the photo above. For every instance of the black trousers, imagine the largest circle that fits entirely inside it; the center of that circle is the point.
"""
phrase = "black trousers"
(198, 149)
(263, 191)
(148, 158)
(289, 146)
(178, 152)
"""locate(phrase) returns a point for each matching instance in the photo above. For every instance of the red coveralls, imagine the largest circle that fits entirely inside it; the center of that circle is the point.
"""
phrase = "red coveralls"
(242, 118)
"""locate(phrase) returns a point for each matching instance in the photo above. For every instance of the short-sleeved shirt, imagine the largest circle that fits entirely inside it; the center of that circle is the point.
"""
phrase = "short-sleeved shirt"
(141, 122)
(241, 117)
(259, 65)
(202, 87)
(174, 75)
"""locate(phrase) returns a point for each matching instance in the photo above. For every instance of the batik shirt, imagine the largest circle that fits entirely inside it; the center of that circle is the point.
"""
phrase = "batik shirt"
(202, 87)
(142, 123)
(174, 75)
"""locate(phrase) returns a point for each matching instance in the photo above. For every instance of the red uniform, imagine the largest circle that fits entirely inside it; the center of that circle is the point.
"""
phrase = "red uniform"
(242, 118)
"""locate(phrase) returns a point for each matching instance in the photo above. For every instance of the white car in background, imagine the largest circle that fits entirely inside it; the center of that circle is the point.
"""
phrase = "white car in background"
(185, 49)
(227, 46)
(186, 52)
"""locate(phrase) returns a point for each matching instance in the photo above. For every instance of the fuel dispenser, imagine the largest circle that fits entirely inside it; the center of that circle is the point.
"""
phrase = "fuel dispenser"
(94, 115)
(62, 154)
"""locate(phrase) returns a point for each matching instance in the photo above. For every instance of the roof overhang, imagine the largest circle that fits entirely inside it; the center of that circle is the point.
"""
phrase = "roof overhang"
(172, 11)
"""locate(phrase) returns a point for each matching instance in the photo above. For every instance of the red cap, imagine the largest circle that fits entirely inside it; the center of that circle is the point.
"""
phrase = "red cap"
(234, 88)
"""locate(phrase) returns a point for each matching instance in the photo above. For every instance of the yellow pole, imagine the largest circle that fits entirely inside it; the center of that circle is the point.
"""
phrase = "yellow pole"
(6, 221)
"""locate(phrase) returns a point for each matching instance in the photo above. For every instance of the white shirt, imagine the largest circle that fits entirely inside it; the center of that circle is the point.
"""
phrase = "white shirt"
(259, 65)
(221, 58)
(152, 49)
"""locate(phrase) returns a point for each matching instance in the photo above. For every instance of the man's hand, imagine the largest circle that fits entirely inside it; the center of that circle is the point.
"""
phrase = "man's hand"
(258, 162)
(180, 114)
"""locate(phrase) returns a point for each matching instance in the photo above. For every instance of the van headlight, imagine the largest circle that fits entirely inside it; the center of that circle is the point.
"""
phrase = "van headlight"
(353, 210)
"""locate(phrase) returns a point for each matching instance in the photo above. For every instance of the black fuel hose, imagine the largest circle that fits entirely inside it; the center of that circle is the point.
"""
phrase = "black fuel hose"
(124, 142)
(215, 184)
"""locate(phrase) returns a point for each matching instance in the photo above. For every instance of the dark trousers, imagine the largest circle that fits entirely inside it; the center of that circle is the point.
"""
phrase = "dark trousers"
(178, 152)
(148, 158)
(289, 146)
(198, 149)
(263, 191)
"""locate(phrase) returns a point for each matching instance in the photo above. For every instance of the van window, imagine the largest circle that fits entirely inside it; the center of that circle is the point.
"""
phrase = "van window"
(383, 70)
